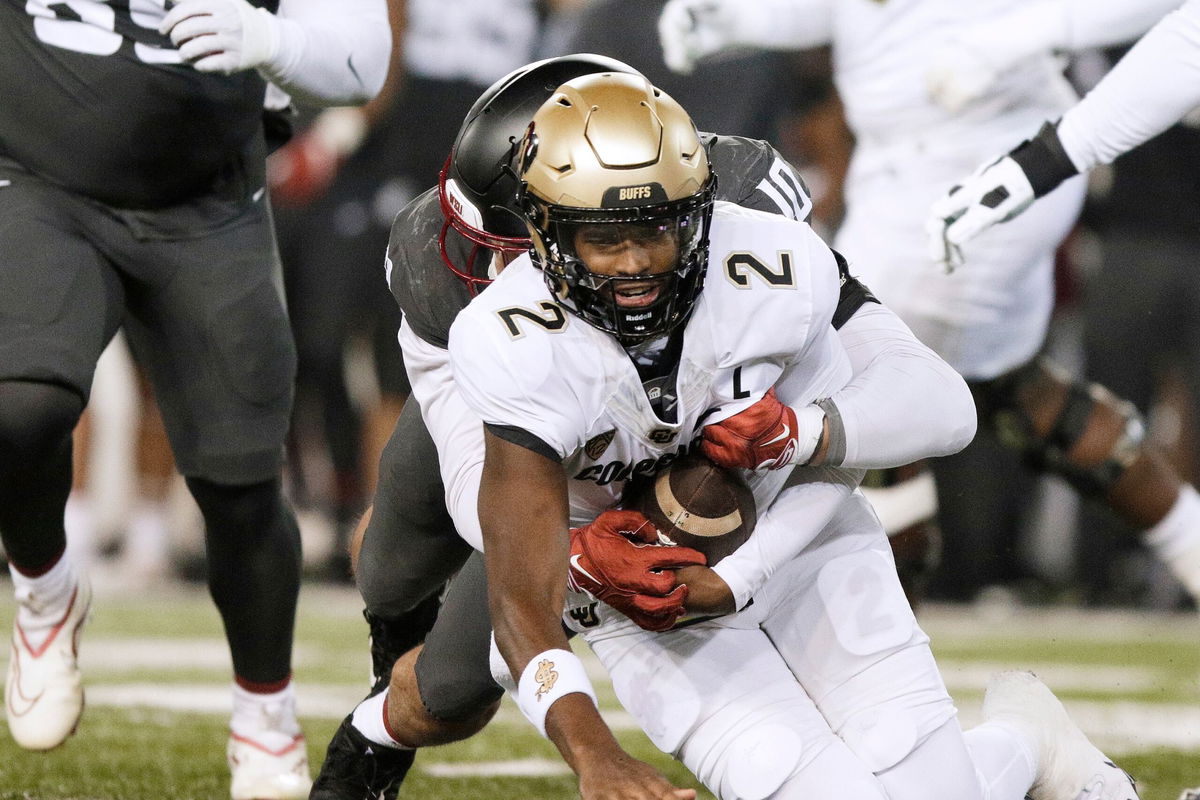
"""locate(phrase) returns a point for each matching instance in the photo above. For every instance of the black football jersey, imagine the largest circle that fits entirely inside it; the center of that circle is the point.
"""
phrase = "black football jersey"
(92, 102)
(750, 173)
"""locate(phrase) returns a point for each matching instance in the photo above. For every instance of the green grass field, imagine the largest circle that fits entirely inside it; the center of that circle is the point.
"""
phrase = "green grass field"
(157, 677)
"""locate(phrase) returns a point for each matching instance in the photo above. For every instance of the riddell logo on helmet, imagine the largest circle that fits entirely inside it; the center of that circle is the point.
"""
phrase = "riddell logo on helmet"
(456, 204)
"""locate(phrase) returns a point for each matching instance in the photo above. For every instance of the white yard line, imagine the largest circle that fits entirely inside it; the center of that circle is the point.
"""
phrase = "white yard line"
(1120, 725)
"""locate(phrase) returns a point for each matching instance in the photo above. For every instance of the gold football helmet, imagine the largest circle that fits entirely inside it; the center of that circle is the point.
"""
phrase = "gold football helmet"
(610, 149)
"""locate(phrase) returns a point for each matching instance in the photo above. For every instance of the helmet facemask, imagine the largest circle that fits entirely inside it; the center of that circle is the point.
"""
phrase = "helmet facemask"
(505, 240)
(614, 303)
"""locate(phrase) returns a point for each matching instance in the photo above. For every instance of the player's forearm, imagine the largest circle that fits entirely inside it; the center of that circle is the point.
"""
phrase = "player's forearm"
(1150, 89)
(331, 56)
(526, 545)
(903, 404)
(523, 511)
(792, 522)
(1101, 23)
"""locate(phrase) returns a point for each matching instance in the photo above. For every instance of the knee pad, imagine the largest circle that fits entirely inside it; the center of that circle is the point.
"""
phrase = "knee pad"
(1004, 404)
(881, 739)
(34, 419)
(760, 761)
(462, 690)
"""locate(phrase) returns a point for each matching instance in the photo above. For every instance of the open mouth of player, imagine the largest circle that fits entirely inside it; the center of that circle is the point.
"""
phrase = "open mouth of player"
(637, 294)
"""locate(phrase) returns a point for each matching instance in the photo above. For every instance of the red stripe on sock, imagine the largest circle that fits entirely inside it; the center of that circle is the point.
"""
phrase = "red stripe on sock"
(387, 726)
(263, 688)
(37, 572)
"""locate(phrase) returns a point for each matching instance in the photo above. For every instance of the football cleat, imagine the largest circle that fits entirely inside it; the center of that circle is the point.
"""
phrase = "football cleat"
(1190, 794)
(1070, 767)
(43, 692)
(356, 769)
(269, 766)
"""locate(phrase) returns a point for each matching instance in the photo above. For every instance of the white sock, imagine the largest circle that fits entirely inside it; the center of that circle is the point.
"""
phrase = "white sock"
(369, 721)
(1176, 539)
(1005, 760)
(268, 718)
(42, 602)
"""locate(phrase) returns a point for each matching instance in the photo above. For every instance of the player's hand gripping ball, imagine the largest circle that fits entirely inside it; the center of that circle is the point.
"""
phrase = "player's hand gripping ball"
(617, 559)
(697, 504)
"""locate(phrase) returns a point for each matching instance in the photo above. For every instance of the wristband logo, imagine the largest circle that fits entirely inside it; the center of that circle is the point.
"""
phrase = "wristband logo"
(545, 676)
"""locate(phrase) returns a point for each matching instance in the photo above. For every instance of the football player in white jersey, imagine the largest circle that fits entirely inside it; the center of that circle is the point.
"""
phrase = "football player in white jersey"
(988, 321)
(609, 357)
(1154, 86)
(444, 248)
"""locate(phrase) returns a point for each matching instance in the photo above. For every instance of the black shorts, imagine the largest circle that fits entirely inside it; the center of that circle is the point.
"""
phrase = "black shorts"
(195, 288)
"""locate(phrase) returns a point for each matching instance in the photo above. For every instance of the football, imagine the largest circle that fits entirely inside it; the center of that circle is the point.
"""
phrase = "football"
(696, 503)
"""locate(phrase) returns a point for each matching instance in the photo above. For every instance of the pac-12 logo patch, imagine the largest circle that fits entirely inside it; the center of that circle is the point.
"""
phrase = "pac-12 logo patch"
(596, 445)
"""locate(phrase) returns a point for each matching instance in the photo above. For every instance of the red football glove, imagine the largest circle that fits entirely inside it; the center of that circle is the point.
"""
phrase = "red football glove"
(763, 436)
(302, 170)
(617, 559)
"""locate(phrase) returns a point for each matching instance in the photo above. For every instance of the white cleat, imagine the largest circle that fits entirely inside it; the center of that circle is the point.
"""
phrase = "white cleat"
(1070, 767)
(43, 693)
(270, 766)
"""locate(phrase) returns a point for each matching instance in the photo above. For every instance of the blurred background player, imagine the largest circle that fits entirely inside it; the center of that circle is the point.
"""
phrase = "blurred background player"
(1139, 320)
(132, 194)
(988, 322)
(1133, 103)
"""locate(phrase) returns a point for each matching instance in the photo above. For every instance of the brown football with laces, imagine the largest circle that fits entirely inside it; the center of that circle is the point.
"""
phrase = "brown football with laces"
(696, 503)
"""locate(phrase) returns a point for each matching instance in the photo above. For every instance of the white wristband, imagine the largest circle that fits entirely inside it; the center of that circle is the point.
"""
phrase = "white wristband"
(550, 675)
(810, 422)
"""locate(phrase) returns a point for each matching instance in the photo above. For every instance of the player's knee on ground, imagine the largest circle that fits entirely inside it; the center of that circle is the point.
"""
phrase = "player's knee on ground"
(439, 713)
(35, 419)
(1077, 430)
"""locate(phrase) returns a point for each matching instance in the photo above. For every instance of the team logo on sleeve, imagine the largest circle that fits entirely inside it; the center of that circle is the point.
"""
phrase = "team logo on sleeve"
(596, 445)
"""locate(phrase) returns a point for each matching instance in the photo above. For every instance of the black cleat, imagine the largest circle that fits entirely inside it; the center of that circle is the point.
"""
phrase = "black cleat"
(356, 769)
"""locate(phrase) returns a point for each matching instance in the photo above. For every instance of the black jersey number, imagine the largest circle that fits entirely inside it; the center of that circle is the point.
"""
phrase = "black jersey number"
(740, 266)
(552, 318)
(96, 28)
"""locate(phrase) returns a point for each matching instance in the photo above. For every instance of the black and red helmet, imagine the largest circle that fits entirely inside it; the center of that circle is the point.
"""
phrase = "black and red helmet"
(478, 185)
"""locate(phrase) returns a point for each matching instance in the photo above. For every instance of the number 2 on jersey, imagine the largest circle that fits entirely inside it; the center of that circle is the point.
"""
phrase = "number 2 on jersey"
(740, 266)
(552, 320)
